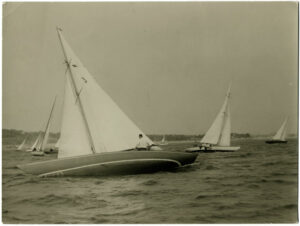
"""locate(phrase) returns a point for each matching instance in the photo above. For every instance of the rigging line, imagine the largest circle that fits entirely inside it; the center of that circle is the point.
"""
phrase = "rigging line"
(68, 65)
(78, 94)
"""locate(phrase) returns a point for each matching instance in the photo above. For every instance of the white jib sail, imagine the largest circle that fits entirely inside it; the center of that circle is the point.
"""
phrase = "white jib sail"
(163, 139)
(281, 133)
(104, 126)
(220, 131)
(21, 146)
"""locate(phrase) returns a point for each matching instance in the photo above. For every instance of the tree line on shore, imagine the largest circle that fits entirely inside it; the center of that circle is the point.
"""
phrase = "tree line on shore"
(13, 136)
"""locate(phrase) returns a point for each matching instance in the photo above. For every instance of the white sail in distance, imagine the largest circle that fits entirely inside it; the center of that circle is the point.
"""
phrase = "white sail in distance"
(37, 142)
(281, 133)
(21, 146)
(101, 125)
(219, 132)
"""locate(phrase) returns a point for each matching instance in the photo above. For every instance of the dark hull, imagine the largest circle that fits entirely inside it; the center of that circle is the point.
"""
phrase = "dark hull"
(201, 149)
(276, 141)
(51, 151)
(114, 163)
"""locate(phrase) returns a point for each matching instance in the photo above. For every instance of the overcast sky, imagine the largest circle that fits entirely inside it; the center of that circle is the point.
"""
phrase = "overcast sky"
(167, 65)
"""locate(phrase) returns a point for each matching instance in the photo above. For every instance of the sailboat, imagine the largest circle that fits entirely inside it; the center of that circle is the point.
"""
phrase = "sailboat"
(218, 136)
(53, 148)
(280, 135)
(40, 147)
(97, 138)
(21, 146)
(163, 141)
(35, 144)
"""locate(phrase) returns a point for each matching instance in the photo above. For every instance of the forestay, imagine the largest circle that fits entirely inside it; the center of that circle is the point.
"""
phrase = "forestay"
(92, 122)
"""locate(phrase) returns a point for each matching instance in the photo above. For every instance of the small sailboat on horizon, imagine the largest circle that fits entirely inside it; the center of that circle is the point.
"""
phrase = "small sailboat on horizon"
(35, 144)
(21, 146)
(163, 141)
(218, 136)
(97, 138)
(280, 136)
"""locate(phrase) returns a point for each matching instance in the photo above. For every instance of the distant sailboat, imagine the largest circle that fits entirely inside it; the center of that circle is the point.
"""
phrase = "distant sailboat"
(35, 144)
(97, 138)
(53, 148)
(40, 147)
(21, 146)
(280, 135)
(163, 141)
(218, 136)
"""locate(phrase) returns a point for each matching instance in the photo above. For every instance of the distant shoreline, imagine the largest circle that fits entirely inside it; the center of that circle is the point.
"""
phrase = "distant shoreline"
(12, 136)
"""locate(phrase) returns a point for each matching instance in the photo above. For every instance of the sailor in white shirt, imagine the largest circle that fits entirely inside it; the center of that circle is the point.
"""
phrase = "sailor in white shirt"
(143, 144)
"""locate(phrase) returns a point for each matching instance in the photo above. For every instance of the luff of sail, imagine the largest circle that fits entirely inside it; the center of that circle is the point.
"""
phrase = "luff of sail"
(220, 131)
(101, 125)
(281, 133)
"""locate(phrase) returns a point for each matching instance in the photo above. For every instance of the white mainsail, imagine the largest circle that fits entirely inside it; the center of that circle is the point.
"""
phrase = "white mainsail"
(220, 131)
(281, 133)
(73, 139)
(92, 122)
(21, 146)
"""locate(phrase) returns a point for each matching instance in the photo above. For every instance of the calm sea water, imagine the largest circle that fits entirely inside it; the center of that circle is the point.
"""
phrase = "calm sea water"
(257, 184)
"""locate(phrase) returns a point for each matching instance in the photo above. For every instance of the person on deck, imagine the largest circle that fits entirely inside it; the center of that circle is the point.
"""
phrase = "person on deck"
(143, 144)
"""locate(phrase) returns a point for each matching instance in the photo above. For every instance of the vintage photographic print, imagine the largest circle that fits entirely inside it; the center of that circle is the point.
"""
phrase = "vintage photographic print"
(149, 112)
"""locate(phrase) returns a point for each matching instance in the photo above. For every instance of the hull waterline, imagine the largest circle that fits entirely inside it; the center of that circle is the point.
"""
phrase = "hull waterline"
(114, 163)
